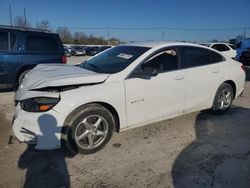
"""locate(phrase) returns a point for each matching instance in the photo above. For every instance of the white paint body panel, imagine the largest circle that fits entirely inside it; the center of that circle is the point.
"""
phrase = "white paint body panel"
(202, 84)
(137, 101)
(150, 99)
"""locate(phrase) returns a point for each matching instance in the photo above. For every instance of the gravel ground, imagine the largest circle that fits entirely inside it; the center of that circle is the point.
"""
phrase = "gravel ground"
(194, 150)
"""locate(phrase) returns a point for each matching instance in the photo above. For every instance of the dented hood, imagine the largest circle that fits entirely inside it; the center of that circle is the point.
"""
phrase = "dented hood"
(54, 75)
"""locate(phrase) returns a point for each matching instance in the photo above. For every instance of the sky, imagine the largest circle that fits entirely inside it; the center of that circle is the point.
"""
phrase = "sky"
(139, 20)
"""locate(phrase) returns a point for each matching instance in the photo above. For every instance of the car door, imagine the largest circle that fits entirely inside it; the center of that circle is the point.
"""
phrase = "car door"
(9, 57)
(156, 97)
(203, 75)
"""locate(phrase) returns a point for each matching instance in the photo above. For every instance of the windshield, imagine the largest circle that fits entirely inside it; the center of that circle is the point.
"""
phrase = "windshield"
(114, 60)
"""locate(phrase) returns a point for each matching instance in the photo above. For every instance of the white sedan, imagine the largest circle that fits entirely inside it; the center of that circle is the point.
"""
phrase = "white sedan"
(124, 87)
(224, 48)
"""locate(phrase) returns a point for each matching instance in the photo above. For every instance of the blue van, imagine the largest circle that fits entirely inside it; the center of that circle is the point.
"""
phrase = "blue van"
(243, 52)
(21, 49)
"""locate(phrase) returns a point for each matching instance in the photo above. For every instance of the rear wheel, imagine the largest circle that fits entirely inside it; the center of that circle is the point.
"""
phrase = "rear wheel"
(90, 130)
(223, 99)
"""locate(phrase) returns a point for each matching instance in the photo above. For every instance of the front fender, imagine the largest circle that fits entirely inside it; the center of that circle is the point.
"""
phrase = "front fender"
(110, 93)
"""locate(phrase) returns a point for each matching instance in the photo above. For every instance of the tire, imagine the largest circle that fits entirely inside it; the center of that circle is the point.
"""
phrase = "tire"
(21, 77)
(223, 99)
(89, 129)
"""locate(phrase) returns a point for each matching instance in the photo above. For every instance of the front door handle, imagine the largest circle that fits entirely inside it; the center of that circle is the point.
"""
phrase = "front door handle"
(215, 71)
(179, 78)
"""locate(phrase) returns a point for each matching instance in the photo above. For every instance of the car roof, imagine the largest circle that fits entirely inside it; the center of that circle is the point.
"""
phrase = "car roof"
(211, 43)
(24, 29)
(160, 43)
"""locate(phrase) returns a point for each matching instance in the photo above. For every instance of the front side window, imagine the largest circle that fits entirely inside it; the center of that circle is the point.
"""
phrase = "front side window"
(41, 44)
(164, 61)
(114, 60)
(7, 41)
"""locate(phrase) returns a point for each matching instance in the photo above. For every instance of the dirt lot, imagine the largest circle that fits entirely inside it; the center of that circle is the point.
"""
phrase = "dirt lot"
(195, 150)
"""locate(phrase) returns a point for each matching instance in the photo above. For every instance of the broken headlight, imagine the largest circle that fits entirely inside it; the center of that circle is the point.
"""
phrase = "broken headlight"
(38, 104)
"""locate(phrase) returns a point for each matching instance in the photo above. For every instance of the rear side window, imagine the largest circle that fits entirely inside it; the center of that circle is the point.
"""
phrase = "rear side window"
(42, 44)
(7, 41)
(194, 56)
(220, 47)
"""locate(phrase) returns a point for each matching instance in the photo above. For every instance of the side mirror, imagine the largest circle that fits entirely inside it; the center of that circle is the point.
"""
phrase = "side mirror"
(150, 71)
(146, 72)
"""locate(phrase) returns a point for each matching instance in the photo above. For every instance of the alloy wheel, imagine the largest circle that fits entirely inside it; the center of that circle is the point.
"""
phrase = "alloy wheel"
(91, 132)
(225, 99)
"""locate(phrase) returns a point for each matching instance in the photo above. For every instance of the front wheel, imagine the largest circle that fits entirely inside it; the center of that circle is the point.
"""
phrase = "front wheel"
(223, 99)
(90, 130)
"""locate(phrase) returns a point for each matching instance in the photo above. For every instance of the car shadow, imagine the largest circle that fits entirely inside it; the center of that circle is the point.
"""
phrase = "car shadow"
(45, 168)
(220, 155)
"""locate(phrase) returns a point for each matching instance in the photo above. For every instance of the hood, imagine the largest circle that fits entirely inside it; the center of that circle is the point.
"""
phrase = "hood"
(56, 75)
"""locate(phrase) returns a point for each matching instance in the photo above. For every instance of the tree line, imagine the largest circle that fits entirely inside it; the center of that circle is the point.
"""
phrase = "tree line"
(65, 33)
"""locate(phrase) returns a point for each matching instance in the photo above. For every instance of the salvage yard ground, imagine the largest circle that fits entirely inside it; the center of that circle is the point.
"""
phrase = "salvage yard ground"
(194, 150)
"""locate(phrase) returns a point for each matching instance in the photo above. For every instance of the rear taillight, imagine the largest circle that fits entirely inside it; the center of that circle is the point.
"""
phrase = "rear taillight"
(243, 67)
(64, 59)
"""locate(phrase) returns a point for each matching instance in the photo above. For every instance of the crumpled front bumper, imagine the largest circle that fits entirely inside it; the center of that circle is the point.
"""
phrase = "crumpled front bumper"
(41, 129)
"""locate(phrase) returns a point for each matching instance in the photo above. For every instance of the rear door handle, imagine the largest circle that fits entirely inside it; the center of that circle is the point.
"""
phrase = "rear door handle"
(179, 78)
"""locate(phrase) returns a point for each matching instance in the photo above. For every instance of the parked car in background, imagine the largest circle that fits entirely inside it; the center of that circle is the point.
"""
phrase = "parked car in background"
(21, 49)
(102, 48)
(124, 87)
(224, 48)
(78, 51)
(67, 52)
(92, 50)
(243, 52)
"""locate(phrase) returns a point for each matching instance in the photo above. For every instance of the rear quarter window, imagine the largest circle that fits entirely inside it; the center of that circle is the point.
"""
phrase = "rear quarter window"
(216, 58)
(42, 44)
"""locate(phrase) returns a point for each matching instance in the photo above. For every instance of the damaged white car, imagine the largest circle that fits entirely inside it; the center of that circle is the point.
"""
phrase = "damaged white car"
(124, 87)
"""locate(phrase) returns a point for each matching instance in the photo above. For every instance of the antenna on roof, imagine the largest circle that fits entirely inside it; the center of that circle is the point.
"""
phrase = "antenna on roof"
(25, 19)
(10, 15)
